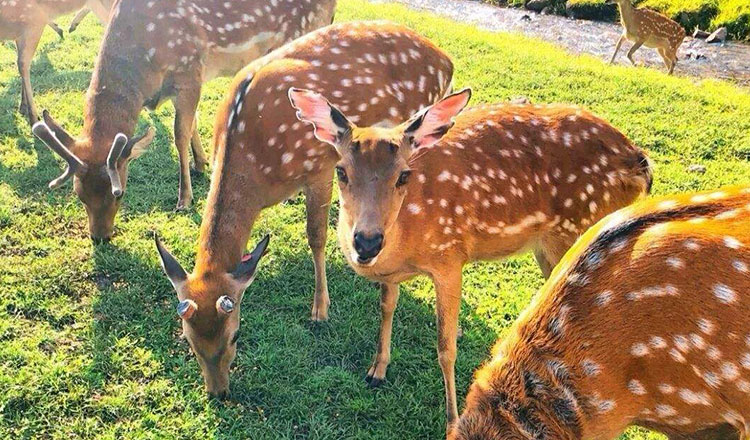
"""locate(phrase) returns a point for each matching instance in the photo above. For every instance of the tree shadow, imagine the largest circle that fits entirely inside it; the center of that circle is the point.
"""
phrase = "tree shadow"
(291, 377)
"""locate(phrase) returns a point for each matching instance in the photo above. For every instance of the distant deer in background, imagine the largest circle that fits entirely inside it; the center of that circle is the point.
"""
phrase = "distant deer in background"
(428, 196)
(156, 50)
(645, 322)
(380, 73)
(24, 22)
(646, 27)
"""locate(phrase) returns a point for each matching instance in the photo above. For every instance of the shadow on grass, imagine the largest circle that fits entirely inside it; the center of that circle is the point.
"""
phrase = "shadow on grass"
(291, 377)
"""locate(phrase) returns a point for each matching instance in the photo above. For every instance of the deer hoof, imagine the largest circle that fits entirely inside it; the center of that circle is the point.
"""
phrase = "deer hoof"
(373, 382)
(183, 205)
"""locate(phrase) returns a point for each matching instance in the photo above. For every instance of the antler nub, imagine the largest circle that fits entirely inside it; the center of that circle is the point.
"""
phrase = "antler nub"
(118, 145)
(74, 164)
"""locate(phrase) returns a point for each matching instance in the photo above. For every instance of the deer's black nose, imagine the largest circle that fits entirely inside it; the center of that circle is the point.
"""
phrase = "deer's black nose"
(368, 246)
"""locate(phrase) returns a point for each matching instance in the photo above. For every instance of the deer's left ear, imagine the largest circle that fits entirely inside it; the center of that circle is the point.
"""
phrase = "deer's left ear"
(245, 271)
(427, 127)
(329, 122)
(138, 145)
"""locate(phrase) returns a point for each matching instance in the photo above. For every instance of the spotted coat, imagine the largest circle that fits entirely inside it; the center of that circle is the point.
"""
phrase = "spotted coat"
(644, 322)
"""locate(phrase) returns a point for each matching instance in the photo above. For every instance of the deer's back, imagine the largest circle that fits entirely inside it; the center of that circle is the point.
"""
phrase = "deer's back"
(506, 174)
(655, 314)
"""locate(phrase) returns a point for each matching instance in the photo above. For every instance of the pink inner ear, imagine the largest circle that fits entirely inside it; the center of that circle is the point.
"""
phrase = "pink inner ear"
(313, 107)
(246, 258)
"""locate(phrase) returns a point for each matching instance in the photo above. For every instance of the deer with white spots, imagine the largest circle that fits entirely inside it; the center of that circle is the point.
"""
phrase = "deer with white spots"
(155, 50)
(646, 27)
(24, 21)
(425, 198)
(646, 322)
(380, 72)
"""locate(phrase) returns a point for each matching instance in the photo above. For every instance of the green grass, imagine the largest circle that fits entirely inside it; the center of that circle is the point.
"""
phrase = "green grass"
(89, 341)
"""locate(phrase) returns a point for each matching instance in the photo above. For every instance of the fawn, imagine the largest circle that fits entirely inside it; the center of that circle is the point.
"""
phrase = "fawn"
(153, 51)
(264, 155)
(24, 21)
(425, 198)
(644, 26)
(645, 322)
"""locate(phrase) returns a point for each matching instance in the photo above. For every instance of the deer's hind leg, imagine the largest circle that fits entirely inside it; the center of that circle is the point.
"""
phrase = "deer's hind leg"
(26, 45)
(667, 58)
(318, 202)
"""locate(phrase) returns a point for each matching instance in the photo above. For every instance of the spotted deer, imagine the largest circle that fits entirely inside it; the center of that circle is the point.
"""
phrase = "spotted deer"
(379, 72)
(646, 321)
(158, 50)
(425, 198)
(644, 26)
(24, 21)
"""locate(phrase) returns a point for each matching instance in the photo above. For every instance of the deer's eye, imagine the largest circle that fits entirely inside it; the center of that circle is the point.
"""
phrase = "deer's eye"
(341, 173)
(403, 178)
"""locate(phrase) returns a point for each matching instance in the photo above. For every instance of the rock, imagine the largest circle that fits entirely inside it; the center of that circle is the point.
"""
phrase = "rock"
(536, 5)
(696, 168)
(526, 17)
(700, 34)
(547, 11)
(719, 36)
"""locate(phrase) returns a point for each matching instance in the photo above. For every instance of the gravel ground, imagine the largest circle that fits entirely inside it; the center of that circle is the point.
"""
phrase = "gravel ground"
(730, 61)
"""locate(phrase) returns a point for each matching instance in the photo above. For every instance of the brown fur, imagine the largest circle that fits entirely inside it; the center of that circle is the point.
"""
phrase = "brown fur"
(264, 155)
(644, 322)
(504, 179)
(23, 21)
(153, 51)
(647, 27)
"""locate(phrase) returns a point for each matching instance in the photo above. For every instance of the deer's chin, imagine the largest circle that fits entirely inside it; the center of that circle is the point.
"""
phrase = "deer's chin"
(362, 262)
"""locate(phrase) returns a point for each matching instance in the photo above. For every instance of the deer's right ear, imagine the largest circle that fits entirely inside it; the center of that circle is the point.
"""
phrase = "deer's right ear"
(59, 132)
(330, 123)
(171, 267)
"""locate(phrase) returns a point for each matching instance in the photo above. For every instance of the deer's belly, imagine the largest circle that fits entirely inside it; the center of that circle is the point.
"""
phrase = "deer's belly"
(228, 60)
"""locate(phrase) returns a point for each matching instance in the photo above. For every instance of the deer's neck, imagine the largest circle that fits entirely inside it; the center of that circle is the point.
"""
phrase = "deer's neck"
(626, 13)
(234, 202)
(548, 404)
(113, 101)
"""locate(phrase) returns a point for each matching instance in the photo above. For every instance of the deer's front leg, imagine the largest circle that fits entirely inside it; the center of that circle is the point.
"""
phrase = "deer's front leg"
(448, 289)
(632, 50)
(617, 48)
(388, 300)
(199, 157)
(186, 103)
(26, 46)
(318, 201)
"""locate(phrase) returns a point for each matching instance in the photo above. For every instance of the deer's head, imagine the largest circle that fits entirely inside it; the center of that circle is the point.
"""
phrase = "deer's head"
(209, 306)
(373, 170)
(98, 182)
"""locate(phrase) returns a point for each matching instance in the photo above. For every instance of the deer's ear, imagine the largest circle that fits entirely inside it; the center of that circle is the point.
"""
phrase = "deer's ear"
(330, 123)
(430, 125)
(171, 267)
(245, 271)
(138, 145)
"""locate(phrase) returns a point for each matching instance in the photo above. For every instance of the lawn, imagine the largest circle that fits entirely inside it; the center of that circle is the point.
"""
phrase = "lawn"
(89, 338)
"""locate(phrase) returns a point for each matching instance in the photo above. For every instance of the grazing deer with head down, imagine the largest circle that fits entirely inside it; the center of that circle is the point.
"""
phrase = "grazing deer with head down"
(644, 26)
(425, 198)
(380, 73)
(645, 322)
(24, 21)
(156, 50)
